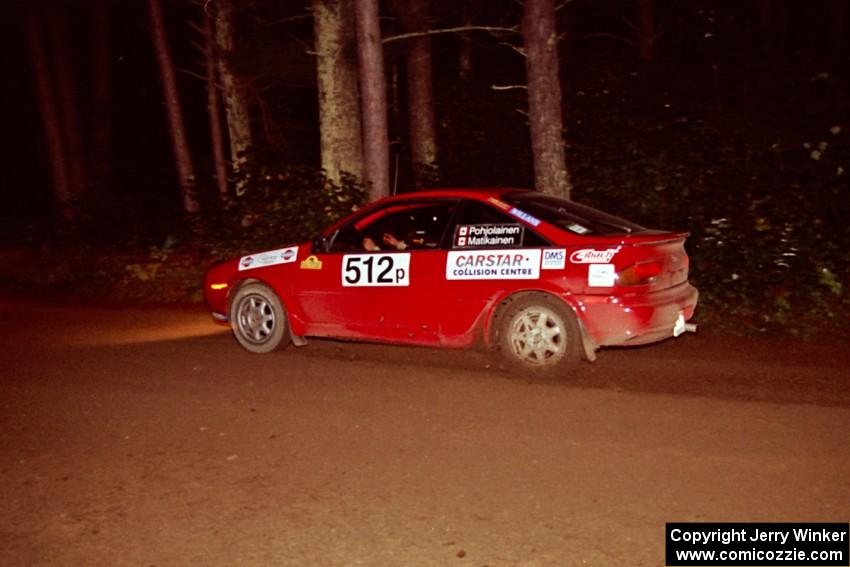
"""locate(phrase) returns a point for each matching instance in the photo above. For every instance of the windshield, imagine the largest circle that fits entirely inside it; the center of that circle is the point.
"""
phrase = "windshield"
(569, 215)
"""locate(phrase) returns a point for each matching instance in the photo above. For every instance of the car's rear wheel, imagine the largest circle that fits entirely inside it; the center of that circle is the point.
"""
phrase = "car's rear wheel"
(258, 318)
(539, 335)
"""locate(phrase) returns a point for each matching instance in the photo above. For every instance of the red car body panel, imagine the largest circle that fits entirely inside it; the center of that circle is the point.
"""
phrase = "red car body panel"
(434, 296)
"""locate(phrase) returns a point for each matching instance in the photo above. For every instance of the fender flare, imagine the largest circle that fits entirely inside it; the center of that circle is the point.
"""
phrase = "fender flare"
(296, 338)
(491, 322)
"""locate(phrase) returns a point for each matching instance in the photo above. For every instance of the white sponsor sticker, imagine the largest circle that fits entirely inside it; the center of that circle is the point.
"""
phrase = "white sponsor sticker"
(554, 259)
(270, 258)
(601, 275)
(376, 270)
(591, 256)
(493, 265)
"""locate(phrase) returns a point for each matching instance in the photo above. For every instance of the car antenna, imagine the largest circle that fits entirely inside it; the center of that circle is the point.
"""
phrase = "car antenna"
(395, 176)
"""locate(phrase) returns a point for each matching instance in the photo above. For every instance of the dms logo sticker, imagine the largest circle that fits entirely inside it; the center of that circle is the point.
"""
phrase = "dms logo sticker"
(554, 259)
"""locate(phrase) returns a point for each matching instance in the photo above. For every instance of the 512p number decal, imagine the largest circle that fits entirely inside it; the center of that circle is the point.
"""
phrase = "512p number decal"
(376, 270)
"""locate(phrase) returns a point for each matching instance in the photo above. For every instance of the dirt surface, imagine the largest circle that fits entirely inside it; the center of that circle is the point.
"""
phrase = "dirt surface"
(146, 436)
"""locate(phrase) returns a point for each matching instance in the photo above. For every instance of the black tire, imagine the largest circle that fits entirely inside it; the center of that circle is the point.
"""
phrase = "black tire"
(258, 319)
(539, 336)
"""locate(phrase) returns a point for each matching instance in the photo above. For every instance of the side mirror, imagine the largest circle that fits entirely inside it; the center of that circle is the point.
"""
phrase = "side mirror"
(320, 244)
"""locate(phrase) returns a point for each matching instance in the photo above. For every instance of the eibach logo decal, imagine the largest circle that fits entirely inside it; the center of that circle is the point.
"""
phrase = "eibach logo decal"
(591, 256)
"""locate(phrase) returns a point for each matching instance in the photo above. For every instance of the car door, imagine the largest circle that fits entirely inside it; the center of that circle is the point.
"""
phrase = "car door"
(379, 277)
(490, 255)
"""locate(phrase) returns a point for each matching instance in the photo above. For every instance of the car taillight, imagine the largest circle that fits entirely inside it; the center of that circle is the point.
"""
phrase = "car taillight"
(639, 274)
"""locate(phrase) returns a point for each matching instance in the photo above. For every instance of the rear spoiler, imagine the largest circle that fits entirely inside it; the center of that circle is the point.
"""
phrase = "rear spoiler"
(674, 237)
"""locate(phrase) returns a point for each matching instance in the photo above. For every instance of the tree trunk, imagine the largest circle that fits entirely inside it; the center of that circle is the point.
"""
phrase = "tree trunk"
(69, 115)
(99, 157)
(373, 99)
(49, 117)
(646, 30)
(339, 95)
(234, 90)
(544, 97)
(213, 105)
(179, 143)
(423, 134)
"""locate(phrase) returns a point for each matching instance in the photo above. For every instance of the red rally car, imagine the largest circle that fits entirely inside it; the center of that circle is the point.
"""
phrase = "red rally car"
(544, 281)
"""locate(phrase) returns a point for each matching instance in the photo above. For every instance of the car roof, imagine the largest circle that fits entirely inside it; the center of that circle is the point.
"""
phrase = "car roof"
(478, 193)
(551, 232)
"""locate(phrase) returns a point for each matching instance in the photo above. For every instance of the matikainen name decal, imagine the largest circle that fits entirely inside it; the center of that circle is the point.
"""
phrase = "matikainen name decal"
(483, 235)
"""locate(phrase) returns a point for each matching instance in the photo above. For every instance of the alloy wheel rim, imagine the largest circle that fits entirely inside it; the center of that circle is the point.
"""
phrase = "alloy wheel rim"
(256, 318)
(537, 336)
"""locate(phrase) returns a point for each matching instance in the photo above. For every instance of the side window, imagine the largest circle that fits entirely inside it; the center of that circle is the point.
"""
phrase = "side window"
(400, 226)
(482, 226)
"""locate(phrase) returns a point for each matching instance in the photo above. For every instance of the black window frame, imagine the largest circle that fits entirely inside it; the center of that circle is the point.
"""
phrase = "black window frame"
(441, 242)
(562, 214)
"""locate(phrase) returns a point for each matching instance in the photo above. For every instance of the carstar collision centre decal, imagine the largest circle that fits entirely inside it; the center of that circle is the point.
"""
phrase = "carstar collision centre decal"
(270, 258)
(493, 265)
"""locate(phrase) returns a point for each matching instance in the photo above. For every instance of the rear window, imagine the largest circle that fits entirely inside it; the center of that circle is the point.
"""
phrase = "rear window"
(569, 215)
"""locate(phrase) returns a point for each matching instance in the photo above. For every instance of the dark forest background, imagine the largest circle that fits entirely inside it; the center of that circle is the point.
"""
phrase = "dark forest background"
(733, 126)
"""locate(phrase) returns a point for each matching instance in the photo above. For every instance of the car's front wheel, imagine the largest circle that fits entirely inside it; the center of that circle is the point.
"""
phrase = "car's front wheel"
(258, 318)
(539, 335)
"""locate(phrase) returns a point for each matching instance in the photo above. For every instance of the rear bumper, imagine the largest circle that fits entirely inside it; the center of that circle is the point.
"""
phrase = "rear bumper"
(636, 319)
